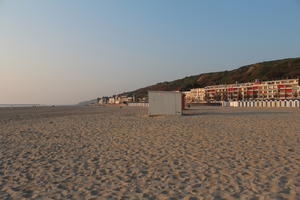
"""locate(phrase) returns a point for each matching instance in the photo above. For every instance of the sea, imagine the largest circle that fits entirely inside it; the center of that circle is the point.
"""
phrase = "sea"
(20, 105)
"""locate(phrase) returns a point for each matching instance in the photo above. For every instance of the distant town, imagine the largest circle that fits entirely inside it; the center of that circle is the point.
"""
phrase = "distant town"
(256, 90)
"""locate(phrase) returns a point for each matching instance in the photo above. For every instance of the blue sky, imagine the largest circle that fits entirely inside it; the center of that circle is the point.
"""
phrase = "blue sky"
(65, 51)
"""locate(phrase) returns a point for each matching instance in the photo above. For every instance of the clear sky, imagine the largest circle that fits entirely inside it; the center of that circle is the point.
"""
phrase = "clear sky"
(66, 51)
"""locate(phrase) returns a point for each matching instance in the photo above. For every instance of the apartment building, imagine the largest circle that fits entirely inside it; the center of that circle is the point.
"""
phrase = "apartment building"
(103, 100)
(116, 99)
(278, 89)
(195, 95)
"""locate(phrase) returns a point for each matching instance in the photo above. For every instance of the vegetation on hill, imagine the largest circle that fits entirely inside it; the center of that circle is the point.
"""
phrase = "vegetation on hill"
(270, 70)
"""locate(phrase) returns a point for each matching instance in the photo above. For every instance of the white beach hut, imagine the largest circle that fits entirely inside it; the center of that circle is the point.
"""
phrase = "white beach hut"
(273, 104)
(165, 103)
(255, 104)
(244, 104)
(236, 104)
(288, 103)
(297, 103)
(240, 104)
(278, 104)
(251, 103)
(292, 104)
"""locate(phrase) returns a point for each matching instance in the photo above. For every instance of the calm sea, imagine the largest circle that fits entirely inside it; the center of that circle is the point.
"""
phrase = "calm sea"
(18, 105)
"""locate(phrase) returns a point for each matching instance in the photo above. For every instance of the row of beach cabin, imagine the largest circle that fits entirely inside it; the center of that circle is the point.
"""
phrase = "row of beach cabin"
(264, 103)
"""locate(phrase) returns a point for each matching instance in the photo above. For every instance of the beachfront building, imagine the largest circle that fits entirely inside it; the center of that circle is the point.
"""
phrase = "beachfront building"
(112, 100)
(258, 90)
(195, 95)
(116, 99)
(123, 99)
(103, 100)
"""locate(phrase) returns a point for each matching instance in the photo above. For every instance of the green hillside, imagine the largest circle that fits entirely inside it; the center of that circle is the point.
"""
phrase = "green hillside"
(270, 70)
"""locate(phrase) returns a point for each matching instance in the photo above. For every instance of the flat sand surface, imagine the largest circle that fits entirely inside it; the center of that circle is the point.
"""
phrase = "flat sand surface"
(120, 153)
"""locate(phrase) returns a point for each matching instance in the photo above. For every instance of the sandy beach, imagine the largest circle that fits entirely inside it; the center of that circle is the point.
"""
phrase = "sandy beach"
(121, 153)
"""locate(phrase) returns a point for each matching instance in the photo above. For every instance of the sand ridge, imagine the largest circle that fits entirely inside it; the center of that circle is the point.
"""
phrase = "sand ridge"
(118, 153)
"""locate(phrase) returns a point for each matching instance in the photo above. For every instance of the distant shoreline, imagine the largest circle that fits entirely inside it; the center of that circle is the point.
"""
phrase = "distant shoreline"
(20, 105)
(33, 105)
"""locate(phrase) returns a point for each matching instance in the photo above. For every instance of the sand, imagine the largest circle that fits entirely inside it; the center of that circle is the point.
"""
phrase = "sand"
(120, 153)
